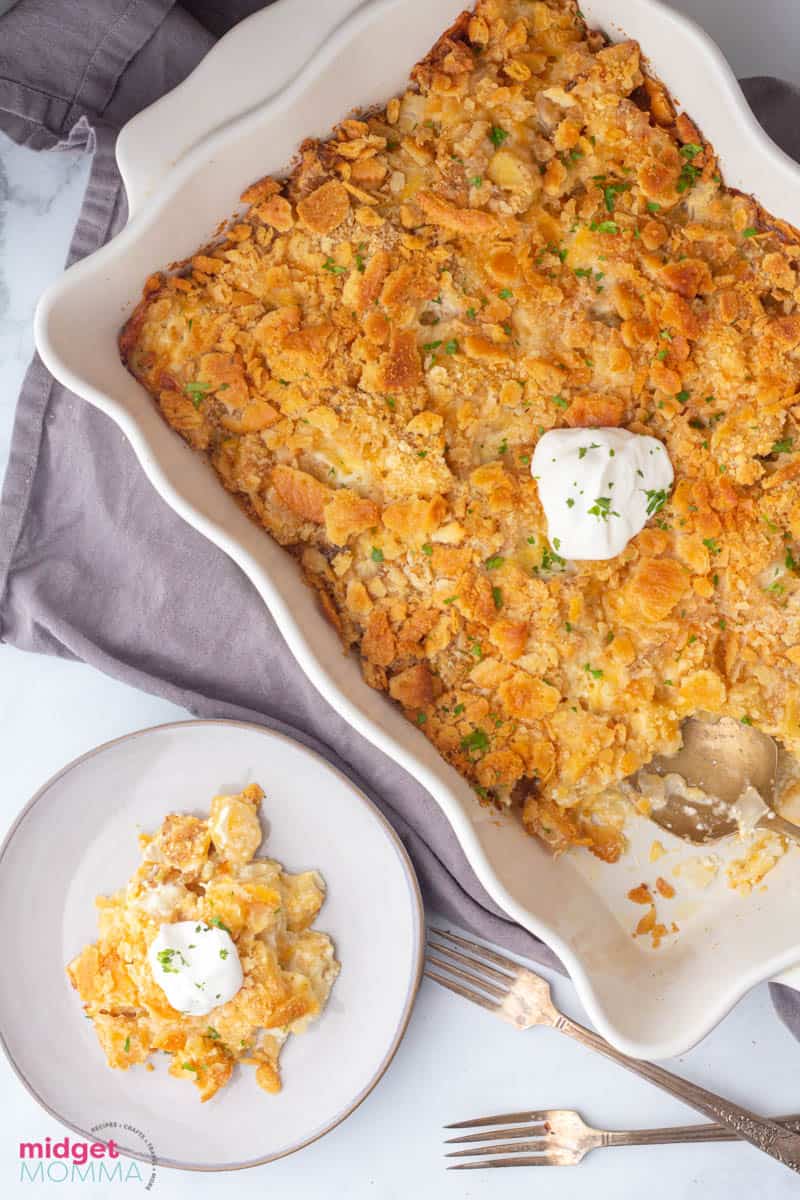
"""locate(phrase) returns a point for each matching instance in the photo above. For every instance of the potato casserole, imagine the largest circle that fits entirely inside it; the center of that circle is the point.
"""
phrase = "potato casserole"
(531, 237)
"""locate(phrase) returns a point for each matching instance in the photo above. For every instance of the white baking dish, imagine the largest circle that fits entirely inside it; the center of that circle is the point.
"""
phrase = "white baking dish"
(288, 72)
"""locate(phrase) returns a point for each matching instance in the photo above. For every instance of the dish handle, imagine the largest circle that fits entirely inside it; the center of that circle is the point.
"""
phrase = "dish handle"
(245, 67)
(790, 978)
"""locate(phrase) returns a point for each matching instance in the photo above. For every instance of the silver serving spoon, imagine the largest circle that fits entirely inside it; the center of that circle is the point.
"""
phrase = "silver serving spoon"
(729, 770)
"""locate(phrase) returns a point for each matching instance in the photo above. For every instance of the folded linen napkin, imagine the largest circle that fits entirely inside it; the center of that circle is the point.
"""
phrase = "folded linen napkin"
(93, 564)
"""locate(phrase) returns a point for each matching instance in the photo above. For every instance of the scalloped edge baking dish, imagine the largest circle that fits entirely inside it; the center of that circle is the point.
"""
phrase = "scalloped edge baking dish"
(184, 162)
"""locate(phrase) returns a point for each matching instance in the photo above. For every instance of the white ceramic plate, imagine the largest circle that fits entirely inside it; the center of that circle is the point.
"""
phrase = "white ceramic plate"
(284, 74)
(77, 838)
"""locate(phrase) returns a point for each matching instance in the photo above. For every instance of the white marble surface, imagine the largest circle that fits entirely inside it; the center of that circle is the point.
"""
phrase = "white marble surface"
(455, 1060)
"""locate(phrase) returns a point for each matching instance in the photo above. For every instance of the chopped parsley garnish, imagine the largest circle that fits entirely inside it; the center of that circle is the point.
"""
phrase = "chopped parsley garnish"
(220, 925)
(451, 347)
(494, 562)
(689, 172)
(421, 718)
(497, 135)
(662, 354)
(790, 562)
(604, 227)
(166, 961)
(471, 314)
(749, 232)
(189, 1067)
(655, 500)
(451, 599)
(560, 402)
(427, 549)
(477, 740)
(595, 672)
(653, 207)
(782, 447)
(602, 508)
(377, 554)
(477, 181)
(497, 596)
(503, 447)
(550, 560)
(506, 294)
(127, 1045)
(223, 953)
(333, 267)
(583, 272)
(196, 392)
(429, 347)
(611, 191)
(712, 545)
(212, 1033)
(458, 710)
(584, 450)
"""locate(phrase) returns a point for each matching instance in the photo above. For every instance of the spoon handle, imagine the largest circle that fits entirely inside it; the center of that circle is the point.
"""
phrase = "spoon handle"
(771, 822)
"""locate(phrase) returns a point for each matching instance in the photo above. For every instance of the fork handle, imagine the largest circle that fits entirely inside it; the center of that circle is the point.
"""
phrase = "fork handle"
(683, 1133)
(764, 1134)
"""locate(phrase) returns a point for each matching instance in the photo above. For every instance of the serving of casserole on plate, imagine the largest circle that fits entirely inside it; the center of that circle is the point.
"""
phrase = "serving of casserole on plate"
(209, 968)
(529, 238)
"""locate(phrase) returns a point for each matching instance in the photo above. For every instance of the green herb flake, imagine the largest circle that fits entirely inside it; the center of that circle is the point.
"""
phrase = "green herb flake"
(604, 227)
(196, 392)
(497, 596)
(749, 232)
(602, 508)
(497, 135)
(712, 545)
(377, 554)
(427, 549)
(560, 402)
(595, 672)
(506, 294)
(655, 500)
(477, 740)
(333, 267)
(212, 1033)
(127, 1045)
(451, 347)
(784, 446)
(494, 562)
(220, 925)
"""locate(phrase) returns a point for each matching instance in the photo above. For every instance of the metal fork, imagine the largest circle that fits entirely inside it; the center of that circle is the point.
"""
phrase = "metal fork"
(561, 1138)
(517, 995)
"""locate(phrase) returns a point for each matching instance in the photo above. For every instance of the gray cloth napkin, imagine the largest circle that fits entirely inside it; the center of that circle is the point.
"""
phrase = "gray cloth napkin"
(93, 564)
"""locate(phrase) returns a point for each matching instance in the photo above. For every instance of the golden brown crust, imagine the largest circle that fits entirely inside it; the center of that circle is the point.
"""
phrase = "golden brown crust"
(529, 237)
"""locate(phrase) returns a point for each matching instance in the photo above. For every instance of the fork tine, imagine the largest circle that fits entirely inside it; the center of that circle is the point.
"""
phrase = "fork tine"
(457, 956)
(467, 993)
(499, 960)
(475, 980)
(507, 1148)
(524, 1160)
(503, 1118)
(488, 1134)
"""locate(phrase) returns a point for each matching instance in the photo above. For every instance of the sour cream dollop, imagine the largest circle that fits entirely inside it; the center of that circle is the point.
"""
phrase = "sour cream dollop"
(598, 488)
(196, 966)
